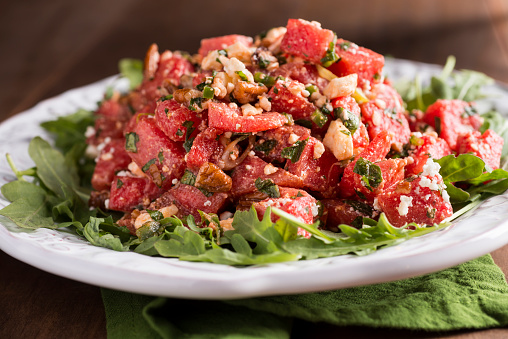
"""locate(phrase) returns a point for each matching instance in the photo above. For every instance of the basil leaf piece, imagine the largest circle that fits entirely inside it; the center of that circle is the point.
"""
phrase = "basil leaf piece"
(294, 152)
(370, 173)
(268, 187)
(131, 141)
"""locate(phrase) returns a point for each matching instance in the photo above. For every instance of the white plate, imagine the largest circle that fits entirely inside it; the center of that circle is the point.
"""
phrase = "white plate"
(65, 254)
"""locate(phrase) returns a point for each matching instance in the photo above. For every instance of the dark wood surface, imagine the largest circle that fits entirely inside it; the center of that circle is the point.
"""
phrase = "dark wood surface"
(47, 47)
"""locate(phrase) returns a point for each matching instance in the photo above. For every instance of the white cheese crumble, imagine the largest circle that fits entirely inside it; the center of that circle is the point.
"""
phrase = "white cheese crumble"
(106, 204)
(405, 203)
(207, 203)
(431, 168)
(90, 132)
(269, 169)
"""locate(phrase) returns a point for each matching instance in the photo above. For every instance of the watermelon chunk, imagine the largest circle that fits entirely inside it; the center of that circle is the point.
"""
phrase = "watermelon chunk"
(205, 148)
(221, 42)
(386, 113)
(174, 119)
(422, 148)
(414, 202)
(319, 174)
(286, 97)
(356, 59)
(224, 117)
(159, 157)
(190, 200)
(252, 168)
(487, 146)
(112, 159)
(306, 40)
(450, 118)
(128, 193)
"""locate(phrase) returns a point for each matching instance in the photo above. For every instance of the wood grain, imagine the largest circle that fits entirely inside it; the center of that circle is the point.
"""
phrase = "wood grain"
(49, 47)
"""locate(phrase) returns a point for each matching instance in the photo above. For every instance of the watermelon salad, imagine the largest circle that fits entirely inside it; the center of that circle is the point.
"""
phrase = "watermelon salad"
(290, 145)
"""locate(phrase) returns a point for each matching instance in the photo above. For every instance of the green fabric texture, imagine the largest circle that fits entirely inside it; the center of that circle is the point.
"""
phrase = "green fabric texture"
(472, 295)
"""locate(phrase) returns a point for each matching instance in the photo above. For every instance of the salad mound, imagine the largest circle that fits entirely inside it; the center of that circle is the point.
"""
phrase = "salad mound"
(291, 145)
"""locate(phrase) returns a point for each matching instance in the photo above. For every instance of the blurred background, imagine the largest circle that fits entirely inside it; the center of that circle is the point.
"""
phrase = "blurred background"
(47, 47)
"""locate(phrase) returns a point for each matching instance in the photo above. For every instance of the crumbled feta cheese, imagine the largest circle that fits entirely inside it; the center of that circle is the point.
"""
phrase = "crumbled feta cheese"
(270, 169)
(431, 168)
(264, 103)
(249, 110)
(319, 149)
(90, 132)
(315, 210)
(293, 138)
(248, 167)
(376, 205)
(338, 139)
(343, 86)
(106, 204)
(405, 203)
(445, 195)
(207, 203)
(174, 181)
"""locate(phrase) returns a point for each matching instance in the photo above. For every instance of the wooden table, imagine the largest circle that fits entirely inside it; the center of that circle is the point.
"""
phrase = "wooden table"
(49, 47)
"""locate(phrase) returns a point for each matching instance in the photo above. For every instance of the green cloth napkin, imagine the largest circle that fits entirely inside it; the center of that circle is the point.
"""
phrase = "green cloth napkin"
(472, 295)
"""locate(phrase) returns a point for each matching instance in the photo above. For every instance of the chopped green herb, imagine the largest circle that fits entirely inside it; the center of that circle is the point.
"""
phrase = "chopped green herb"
(268, 187)
(294, 152)
(264, 79)
(167, 97)
(179, 132)
(188, 178)
(160, 156)
(304, 123)
(195, 101)
(266, 147)
(155, 215)
(119, 184)
(242, 75)
(131, 140)
(330, 56)
(187, 145)
(370, 172)
(360, 206)
(275, 90)
(263, 63)
(319, 118)
(208, 92)
(148, 164)
(288, 116)
(311, 89)
(349, 119)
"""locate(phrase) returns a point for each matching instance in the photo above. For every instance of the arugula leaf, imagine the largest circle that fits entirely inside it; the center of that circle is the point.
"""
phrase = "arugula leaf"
(70, 130)
(464, 85)
(460, 168)
(259, 232)
(95, 236)
(132, 69)
(30, 207)
(363, 241)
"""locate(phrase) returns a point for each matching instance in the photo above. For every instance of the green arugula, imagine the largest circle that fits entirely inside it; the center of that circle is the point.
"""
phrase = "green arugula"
(132, 69)
(464, 85)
